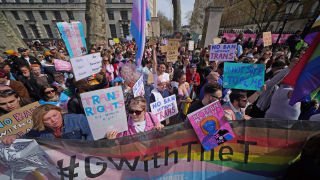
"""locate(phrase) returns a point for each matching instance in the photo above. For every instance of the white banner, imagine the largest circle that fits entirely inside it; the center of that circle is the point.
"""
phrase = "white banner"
(86, 66)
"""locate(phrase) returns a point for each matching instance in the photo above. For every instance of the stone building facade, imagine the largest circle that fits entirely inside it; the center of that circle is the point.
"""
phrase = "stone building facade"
(36, 19)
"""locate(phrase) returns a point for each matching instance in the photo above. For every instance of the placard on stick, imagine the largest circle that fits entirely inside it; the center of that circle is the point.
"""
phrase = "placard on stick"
(166, 108)
(138, 88)
(210, 126)
(222, 52)
(191, 45)
(172, 50)
(86, 66)
(18, 121)
(163, 48)
(105, 111)
(267, 39)
(243, 76)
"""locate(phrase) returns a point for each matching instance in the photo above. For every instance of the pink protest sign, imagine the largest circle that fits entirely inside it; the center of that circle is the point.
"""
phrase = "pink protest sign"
(210, 126)
(232, 36)
(61, 65)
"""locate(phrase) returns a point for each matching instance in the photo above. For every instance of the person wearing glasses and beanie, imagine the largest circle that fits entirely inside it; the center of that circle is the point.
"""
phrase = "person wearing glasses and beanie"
(139, 120)
(10, 100)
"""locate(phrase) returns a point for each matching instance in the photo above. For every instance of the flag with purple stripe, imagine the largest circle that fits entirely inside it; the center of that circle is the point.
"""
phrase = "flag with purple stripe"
(140, 15)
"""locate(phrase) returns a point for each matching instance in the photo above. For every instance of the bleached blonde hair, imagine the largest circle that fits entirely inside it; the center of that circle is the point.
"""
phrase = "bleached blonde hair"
(129, 73)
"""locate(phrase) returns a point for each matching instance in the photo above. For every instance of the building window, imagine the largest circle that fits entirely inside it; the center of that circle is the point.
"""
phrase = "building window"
(30, 15)
(71, 1)
(43, 15)
(31, 1)
(48, 29)
(125, 28)
(35, 31)
(16, 15)
(124, 15)
(44, 1)
(22, 32)
(70, 15)
(4, 1)
(57, 15)
(17, 1)
(123, 1)
(113, 30)
(111, 15)
(58, 1)
(109, 1)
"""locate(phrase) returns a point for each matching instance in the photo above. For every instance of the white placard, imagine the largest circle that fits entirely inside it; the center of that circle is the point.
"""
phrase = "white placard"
(191, 46)
(86, 66)
(105, 111)
(222, 52)
(166, 108)
(111, 42)
(138, 88)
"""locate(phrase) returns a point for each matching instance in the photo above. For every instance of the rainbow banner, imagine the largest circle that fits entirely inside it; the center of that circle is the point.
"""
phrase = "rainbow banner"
(73, 36)
(261, 149)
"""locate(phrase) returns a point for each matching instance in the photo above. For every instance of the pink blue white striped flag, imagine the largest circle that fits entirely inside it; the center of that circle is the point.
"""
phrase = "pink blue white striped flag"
(140, 15)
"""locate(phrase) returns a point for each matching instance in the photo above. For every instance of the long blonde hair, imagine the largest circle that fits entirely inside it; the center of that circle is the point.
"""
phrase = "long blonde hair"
(39, 112)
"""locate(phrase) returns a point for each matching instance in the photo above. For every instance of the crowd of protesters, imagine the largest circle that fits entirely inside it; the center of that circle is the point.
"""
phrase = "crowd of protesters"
(29, 75)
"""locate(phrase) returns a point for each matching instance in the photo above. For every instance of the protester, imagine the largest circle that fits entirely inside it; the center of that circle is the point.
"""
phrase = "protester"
(41, 79)
(25, 59)
(235, 109)
(49, 95)
(10, 100)
(50, 122)
(139, 120)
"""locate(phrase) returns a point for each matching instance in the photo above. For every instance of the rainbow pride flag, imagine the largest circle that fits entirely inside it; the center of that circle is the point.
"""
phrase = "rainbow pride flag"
(305, 76)
(261, 149)
(140, 14)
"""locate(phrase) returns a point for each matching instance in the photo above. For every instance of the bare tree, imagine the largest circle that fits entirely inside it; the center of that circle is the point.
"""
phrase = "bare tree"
(165, 23)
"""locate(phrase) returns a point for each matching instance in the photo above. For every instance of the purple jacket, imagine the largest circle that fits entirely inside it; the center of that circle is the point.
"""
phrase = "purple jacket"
(149, 125)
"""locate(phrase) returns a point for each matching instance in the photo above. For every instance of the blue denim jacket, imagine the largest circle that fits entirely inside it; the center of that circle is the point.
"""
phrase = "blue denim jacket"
(75, 126)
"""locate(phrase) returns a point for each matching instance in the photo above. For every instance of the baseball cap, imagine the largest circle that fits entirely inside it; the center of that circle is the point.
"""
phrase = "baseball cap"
(22, 49)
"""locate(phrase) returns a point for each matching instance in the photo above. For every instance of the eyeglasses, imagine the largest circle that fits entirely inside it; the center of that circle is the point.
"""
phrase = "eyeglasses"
(219, 98)
(135, 111)
(49, 92)
(7, 92)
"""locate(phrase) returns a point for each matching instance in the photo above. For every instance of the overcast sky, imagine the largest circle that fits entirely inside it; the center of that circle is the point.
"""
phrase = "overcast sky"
(165, 6)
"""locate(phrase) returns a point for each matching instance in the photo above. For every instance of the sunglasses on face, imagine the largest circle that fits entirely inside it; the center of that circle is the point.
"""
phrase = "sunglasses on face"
(219, 98)
(51, 91)
(135, 111)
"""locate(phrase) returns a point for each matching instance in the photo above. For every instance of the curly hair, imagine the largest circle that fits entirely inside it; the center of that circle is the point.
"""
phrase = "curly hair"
(129, 73)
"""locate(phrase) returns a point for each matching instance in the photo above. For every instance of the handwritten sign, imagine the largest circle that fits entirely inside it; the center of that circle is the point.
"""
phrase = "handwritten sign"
(62, 65)
(116, 40)
(172, 50)
(129, 38)
(222, 52)
(191, 45)
(243, 76)
(86, 66)
(18, 121)
(111, 42)
(73, 36)
(217, 41)
(166, 108)
(210, 126)
(163, 49)
(138, 88)
(267, 39)
(105, 111)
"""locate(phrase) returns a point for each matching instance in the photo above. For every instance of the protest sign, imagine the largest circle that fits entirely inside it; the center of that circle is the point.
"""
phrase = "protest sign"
(243, 76)
(62, 65)
(261, 149)
(111, 42)
(231, 37)
(166, 108)
(129, 38)
(191, 45)
(25, 156)
(138, 88)
(18, 121)
(73, 37)
(163, 49)
(267, 39)
(172, 50)
(116, 40)
(223, 52)
(105, 111)
(210, 126)
(216, 41)
(165, 41)
(86, 66)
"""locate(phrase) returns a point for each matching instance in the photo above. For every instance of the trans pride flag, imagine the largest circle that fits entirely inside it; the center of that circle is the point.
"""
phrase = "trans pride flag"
(305, 76)
(140, 14)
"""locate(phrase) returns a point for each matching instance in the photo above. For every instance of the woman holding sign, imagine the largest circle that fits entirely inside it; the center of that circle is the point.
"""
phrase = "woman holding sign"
(139, 120)
(50, 121)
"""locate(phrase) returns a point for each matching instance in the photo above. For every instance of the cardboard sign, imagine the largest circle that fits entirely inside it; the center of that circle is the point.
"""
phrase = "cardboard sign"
(210, 126)
(73, 36)
(163, 49)
(172, 50)
(138, 88)
(62, 65)
(166, 108)
(111, 42)
(105, 111)
(86, 66)
(223, 52)
(243, 76)
(18, 121)
(191, 45)
(150, 79)
(267, 39)
(216, 41)
(116, 40)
